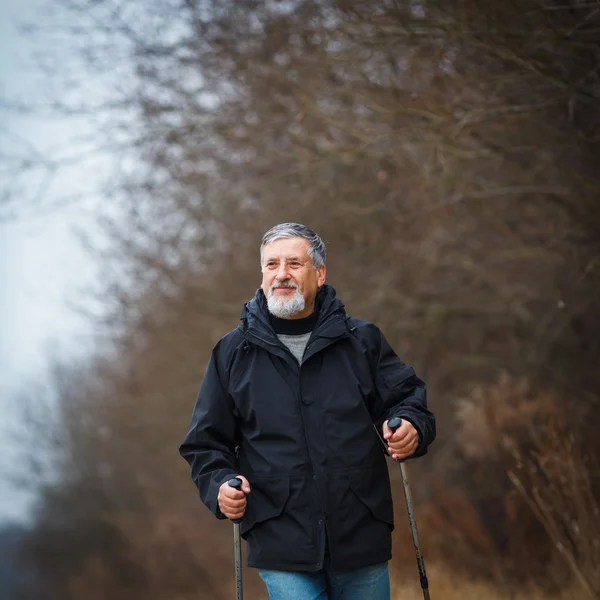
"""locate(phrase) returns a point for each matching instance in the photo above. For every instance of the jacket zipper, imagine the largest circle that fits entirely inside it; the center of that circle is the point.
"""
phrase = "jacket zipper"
(276, 345)
(299, 394)
(307, 456)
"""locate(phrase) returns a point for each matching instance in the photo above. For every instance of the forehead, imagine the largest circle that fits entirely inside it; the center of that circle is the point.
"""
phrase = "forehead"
(286, 247)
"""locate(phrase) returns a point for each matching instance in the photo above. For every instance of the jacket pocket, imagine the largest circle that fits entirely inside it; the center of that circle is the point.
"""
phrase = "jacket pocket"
(371, 486)
(266, 500)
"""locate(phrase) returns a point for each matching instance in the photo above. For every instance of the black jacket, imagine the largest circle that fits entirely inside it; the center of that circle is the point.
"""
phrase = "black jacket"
(303, 436)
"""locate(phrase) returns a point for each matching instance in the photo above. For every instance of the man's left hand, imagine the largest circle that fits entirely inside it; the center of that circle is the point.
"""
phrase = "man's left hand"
(403, 442)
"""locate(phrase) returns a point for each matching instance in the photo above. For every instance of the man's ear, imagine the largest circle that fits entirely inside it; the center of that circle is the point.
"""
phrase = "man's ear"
(321, 275)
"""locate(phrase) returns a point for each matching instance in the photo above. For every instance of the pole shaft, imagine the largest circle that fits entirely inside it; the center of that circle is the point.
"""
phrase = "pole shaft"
(237, 552)
(236, 483)
(413, 530)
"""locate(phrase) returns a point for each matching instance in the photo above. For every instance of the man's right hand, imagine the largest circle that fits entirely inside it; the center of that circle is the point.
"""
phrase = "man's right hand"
(232, 501)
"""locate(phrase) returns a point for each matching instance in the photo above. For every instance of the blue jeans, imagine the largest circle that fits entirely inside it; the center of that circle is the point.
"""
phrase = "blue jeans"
(367, 583)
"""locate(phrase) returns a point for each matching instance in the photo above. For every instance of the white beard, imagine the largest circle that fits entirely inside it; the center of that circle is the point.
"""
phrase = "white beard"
(285, 308)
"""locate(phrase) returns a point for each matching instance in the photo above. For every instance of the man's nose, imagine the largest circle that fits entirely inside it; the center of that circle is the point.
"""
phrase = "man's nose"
(283, 272)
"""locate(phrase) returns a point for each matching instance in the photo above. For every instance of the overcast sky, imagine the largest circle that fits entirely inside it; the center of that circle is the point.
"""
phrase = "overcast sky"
(42, 266)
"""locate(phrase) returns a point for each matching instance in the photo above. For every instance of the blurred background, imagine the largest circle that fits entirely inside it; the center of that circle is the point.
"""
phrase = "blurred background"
(446, 152)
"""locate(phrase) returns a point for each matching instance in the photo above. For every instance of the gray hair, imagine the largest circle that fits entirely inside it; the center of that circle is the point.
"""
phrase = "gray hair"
(316, 251)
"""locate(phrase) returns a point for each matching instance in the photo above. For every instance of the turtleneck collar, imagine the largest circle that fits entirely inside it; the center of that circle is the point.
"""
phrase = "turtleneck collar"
(294, 326)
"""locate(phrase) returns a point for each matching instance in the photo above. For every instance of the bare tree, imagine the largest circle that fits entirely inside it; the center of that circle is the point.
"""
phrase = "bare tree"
(445, 152)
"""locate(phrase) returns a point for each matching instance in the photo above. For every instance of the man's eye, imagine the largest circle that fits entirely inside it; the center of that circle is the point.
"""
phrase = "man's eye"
(295, 264)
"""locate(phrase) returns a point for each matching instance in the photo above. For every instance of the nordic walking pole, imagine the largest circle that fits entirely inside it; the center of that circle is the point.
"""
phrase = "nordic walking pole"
(237, 546)
(393, 424)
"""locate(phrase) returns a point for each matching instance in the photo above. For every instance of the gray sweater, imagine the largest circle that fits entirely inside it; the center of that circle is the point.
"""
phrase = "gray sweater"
(296, 343)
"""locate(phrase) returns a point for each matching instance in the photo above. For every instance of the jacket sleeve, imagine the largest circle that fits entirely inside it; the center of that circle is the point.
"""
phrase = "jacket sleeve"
(400, 393)
(210, 444)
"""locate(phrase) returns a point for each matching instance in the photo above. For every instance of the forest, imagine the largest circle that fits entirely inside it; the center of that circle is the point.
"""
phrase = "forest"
(446, 152)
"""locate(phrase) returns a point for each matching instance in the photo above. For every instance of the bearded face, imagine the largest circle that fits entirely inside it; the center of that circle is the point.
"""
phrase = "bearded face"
(289, 280)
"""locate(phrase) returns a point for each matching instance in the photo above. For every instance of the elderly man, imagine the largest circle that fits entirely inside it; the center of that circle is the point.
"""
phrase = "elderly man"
(295, 402)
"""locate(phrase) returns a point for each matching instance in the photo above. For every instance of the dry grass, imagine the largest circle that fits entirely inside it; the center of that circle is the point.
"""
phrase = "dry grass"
(530, 436)
(555, 483)
(443, 585)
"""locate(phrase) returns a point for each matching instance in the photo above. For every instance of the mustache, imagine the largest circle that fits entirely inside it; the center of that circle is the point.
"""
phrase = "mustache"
(283, 284)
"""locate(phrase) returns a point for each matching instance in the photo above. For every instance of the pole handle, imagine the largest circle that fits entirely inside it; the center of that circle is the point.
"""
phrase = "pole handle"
(393, 424)
(236, 483)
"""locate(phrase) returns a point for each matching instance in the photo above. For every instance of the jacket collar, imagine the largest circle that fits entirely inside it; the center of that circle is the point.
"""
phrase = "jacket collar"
(330, 324)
